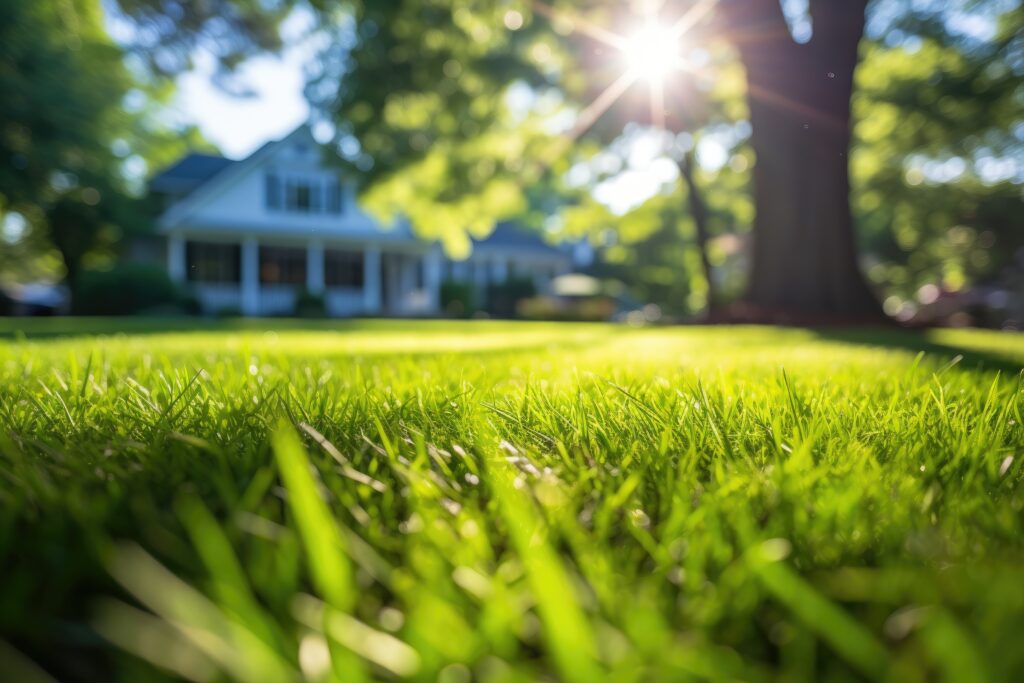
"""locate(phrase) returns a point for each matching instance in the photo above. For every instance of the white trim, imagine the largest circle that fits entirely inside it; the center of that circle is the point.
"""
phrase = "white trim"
(371, 280)
(250, 284)
(315, 267)
(432, 278)
(223, 180)
(177, 269)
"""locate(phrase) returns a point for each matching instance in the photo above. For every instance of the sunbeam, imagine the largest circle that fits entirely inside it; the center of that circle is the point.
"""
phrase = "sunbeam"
(652, 53)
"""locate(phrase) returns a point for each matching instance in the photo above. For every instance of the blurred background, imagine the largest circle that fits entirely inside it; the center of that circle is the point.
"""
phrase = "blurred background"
(443, 120)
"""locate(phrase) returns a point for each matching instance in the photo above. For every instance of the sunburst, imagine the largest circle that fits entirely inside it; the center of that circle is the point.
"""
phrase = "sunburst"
(652, 53)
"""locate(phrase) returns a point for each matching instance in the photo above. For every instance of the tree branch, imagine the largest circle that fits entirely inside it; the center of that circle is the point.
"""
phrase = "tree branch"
(754, 26)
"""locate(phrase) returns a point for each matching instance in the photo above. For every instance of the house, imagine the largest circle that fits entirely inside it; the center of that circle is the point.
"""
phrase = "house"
(251, 235)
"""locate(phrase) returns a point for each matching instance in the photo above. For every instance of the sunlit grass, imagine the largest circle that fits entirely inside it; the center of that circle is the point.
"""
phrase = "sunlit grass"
(509, 502)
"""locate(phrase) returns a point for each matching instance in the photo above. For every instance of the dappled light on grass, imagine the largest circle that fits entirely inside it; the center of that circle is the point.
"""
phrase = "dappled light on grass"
(570, 502)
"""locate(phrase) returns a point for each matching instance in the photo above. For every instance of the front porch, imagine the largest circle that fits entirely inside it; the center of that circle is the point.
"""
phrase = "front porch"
(264, 277)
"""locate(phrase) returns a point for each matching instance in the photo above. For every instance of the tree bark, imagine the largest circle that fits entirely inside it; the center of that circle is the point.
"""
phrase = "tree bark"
(804, 260)
(699, 212)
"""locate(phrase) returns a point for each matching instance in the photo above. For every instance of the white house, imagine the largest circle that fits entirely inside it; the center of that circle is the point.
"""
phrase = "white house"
(250, 235)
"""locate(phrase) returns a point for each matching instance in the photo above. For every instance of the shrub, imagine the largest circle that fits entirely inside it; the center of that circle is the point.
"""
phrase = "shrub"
(592, 308)
(457, 299)
(309, 305)
(126, 289)
(503, 298)
(225, 312)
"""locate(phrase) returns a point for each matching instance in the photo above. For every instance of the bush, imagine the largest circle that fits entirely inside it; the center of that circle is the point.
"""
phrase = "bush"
(503, 298)
(457, 299)
(190, 304)
(309, 305)
(225, 312)
(126, 289)
(590, 309)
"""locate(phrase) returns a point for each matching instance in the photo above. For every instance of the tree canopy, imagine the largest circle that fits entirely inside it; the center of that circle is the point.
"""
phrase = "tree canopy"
(79, 126)
(458, 114)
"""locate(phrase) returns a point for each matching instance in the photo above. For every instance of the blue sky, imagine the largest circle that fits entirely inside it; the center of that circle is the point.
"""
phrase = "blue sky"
(238, 125)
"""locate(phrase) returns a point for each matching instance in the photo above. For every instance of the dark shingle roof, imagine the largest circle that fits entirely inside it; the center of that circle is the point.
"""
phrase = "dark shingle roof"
(511, 235)
(189, 173)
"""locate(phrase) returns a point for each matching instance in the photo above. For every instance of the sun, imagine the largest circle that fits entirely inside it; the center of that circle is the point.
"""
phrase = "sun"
(652, 52)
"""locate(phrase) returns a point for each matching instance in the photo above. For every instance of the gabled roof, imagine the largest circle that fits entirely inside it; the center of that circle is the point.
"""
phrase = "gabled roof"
(508, 235)
(228, 174)
(189, 173)
(200, 176)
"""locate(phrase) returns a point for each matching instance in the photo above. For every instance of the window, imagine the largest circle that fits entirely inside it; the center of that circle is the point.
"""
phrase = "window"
(316, 194)
(343, 268)
(210, 262)
(273, 191)
(282, 266)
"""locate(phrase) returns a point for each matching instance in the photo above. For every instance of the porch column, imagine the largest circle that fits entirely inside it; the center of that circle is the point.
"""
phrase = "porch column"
(371, 280)
(176, 266)
(500, 266)
(315, 267)
(406, 282)
(432, 278)
(250, 276)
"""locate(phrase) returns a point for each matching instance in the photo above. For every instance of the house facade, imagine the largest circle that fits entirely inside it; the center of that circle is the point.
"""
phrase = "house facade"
(250, 236)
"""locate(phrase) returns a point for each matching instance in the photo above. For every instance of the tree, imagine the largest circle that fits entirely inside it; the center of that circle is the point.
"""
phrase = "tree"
(76, 125)
(804, 261)
(446, 107)
(64, 82)
(936, 182)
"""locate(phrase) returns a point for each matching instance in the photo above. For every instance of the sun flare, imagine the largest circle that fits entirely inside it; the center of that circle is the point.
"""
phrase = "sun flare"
(652, 52)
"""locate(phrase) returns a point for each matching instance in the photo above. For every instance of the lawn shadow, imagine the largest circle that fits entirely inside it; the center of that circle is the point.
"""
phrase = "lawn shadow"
(63, 327)
(923, 341)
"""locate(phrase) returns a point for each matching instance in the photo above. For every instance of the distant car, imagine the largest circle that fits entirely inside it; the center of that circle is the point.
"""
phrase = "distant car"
(34, 299)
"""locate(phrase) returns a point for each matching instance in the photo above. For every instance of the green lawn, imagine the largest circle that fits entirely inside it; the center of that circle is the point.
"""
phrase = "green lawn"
(274, 500)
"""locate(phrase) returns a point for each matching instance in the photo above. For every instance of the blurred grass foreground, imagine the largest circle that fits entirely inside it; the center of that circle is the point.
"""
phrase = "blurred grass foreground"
(508, 502)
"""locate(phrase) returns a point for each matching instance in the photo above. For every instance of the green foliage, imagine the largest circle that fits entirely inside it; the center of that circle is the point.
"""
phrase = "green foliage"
(309, 305)
(64, 82)
(586, 309)
(80, 128)
(502, 297)
(459, 120)
(513, 502)
(170, 31)
(458, 299)
(933, 114)
(126, 289)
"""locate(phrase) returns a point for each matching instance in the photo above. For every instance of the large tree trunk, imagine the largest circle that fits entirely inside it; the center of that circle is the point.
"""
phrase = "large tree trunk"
(804, 266)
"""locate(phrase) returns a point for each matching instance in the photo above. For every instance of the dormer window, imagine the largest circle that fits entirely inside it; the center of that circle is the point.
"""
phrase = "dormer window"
(304, 193)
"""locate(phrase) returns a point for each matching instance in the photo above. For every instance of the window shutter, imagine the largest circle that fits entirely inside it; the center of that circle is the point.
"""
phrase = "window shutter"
(273, 192)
